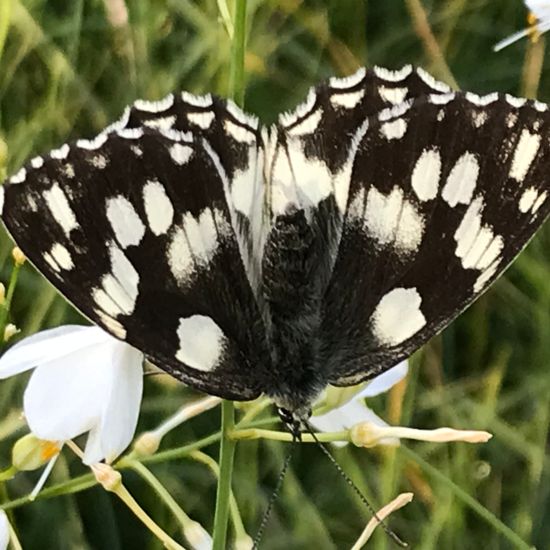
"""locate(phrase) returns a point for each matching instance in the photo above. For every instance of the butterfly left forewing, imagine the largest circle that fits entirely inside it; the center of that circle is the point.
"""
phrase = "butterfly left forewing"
(445, 192)
(135, 228)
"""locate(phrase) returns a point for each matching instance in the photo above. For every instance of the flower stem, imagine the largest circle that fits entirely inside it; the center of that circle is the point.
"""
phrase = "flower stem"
(5, 308)
(227, 444)
(236, 70)
(227, 454)
(255, 433)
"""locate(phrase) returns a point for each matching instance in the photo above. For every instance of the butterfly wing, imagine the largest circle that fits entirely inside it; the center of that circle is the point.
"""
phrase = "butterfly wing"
(444, 192)
(139, 229)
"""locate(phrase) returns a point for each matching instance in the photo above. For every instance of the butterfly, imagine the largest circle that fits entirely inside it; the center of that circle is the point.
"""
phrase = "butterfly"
(246, 260)
(539, 23)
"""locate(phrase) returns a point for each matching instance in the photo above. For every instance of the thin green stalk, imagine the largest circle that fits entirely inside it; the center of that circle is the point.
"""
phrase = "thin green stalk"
(236, 70)
(227, 455)
(227, 444)
(5, 21)
(479, 509)
(4, 311)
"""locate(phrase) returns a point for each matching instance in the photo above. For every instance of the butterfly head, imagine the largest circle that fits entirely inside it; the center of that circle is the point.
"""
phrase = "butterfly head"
(294, 420)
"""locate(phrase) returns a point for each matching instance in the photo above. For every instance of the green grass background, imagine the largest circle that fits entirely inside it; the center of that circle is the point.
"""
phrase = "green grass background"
(66, 71)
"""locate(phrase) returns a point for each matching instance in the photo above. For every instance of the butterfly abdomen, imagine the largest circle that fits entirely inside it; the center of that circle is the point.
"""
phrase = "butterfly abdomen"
(293, 295)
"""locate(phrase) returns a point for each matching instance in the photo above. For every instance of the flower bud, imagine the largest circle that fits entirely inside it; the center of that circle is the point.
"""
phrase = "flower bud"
(197, 536)
(10, 331)
(147, 444)
(2, 294)
(18, 256)
(107, 477)
(31, 453)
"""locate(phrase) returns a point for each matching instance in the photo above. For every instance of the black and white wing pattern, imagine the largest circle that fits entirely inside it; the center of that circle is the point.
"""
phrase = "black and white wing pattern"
(141, 229)
(324, 249)
(423, 197)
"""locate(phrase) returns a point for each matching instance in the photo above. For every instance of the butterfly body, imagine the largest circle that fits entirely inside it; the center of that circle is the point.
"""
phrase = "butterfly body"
(293, 292)
(323, 250)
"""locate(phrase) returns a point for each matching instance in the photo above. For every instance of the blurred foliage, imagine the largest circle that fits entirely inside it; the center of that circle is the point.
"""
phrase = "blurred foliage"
(67, 69)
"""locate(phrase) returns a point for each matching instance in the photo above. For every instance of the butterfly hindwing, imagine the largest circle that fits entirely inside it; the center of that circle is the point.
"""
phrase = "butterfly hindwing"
(445, 191)
(136, 230)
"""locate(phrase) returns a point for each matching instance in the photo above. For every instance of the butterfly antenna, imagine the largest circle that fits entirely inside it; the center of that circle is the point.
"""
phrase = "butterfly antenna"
(275, 493)
(349, 481)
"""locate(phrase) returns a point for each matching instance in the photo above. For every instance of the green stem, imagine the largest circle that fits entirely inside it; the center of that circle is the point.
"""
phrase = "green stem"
(236, 74)
(490, 518)
(255, 433)
(227, 444)
(227, 454)
(9, 295)
(5, 21)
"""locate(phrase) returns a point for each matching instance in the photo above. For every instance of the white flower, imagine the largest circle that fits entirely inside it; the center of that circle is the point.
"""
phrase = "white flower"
(4, 530)
(539, 19)
(354, 410)
(84, 381)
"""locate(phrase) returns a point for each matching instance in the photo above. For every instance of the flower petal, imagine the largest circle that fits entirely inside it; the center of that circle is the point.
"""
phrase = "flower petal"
(120, 408)
(4, 530)
(47, 346)
(383, 382)
(64, 398)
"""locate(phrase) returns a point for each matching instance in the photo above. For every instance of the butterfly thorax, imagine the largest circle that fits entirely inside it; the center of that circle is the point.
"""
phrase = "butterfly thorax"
(293, 294)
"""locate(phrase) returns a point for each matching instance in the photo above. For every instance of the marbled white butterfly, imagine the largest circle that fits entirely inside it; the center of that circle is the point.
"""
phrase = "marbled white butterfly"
(322, 250)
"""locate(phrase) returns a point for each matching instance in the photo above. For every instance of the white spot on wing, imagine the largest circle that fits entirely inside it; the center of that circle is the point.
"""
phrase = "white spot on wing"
(476, 244)
(348, 81)
(119, 289)
(155, 106)
(308, 125)
(180, 259)
(390, 219)
(393, 95)
(2, 198)
(112, 325)
(240, 116)
(431, 81)
(482, 101)
(130, 133)
(197, 100)
(524, 154)
(238, 133)
(462, 180)
(92, 144)
(484, 278)
(347, 100)
(98, 161)
(441, 99)
(426, 174)
(394, 130)
(19, 177)
(62, 256)
(158, 207)
(528, 200)
(60, 209)
(202, 120)
(393, 76)
(516, 102)
(397, 316)
(125, 221)
(201, 342)
(343, 177)
(165, 122)
(60, 153)
(37, 162)
(181, 153)
(201, 235)
(539, 202)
